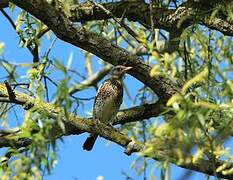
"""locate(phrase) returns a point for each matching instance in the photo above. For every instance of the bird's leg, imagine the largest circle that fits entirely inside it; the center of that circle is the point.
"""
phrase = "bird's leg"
(110, 125)
(98, 121)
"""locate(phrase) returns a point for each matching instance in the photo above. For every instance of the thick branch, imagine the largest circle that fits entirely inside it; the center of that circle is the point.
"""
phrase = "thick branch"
(206, 5)
(96, 44)
(6, 139)
(220, 25)
(127, 9)
(76, 125)
(139, 113)
(189, 13)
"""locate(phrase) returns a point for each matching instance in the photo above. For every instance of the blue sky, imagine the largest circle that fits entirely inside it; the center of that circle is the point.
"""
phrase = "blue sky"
(73, 163)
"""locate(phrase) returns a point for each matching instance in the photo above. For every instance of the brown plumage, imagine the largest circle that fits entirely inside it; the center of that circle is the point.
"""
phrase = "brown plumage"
(107, 101)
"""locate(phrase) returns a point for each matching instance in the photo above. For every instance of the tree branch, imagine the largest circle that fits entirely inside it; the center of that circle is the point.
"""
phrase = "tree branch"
(139, 113)
(188, 13)
(98, 45)
(90, 81)
(4, 4)
(76, 125)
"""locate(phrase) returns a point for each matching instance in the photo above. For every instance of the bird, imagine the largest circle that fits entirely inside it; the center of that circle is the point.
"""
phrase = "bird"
(107, 101)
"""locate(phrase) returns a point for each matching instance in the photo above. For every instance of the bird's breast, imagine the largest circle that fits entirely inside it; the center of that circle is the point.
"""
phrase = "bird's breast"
(106, 110)
(108, 101)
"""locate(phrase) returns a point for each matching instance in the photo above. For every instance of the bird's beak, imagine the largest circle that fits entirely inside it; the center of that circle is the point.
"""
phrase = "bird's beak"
(127, 69)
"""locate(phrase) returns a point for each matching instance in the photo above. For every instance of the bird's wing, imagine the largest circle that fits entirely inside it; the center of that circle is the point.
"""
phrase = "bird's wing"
(104, 91)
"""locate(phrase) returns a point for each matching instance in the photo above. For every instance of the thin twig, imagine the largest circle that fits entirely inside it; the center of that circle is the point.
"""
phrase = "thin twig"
(152, 22)
(42, 32)
(125, 38)
(46, 89)
(51, 80)
(33, 51)
(127, 28)
(90, 81)
(10, 91)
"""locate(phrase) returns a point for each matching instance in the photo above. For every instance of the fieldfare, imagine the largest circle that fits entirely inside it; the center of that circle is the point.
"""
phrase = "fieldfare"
(107, 101)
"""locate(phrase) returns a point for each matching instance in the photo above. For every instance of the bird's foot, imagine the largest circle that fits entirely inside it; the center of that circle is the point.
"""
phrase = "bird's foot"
(110, 125)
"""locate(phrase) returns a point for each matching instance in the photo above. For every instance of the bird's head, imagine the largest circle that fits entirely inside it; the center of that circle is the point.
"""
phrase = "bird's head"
(119, 71)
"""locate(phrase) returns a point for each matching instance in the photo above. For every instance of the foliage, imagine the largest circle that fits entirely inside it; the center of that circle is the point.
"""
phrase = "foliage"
(195, 124)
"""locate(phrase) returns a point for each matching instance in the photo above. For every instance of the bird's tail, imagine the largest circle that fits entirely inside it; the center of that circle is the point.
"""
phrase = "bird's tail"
(90, 141)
